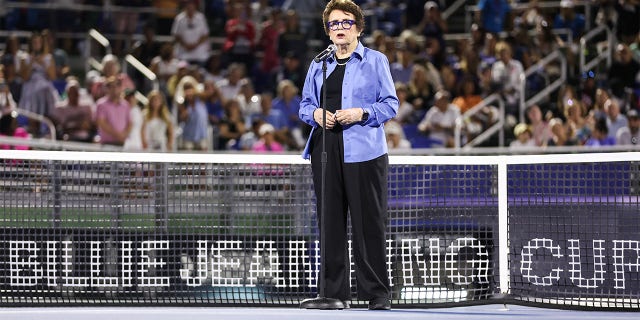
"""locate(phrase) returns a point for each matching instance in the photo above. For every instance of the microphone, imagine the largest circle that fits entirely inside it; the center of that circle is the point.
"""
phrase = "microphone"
(326, 53)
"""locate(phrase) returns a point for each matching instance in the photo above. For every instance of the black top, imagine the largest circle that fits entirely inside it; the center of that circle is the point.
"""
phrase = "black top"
(334, 86)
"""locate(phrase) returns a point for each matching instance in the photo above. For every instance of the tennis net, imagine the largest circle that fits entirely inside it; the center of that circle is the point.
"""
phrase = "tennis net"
(87, 228)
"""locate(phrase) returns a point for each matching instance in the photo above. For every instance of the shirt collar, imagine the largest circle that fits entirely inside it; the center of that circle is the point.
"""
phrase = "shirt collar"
(359, 53)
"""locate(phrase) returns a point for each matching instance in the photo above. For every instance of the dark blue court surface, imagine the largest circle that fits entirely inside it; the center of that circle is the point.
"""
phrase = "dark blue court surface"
(494, 312)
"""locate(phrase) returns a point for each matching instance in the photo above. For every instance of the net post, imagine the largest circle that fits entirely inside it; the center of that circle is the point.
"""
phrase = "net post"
(503, 228)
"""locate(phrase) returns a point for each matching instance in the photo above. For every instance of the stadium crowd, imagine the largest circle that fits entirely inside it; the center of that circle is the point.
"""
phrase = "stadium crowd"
(244, 93)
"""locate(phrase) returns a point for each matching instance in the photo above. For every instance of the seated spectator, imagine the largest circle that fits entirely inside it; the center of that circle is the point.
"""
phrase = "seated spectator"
(630, 135)
(193, 117)
(422, 86)
(230, 86)
(524, 138)
(74, 120)
(249, 138)
(213, 70)
(577, 125)
(407, 113)
(439, 122)
(600, 135)
(213, 100)
(113, 115)
(396, 139)
(248, 99)
(401, 70)
(275, 117)
(110, 68)
(267, 140)
(559, 133)
(291, 69)
(623, 71)
(288, 102)
(11, 78)
(7, 104)
(165, 65)
(9, 128)
(157, 125)
(614, 119)
(539, 127)
(232, 126)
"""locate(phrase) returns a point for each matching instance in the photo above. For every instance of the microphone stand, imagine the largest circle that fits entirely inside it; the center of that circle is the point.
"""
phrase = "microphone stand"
(322, 302)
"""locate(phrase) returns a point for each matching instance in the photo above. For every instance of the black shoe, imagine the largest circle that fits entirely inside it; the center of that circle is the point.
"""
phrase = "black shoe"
(380, 304)
(347, 304)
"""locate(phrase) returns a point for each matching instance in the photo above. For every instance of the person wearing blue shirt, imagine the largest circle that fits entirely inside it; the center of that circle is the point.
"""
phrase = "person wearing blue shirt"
(493, 14)
(360, 98)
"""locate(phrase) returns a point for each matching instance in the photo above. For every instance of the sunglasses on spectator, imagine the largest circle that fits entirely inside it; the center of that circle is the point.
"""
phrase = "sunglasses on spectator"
(344, 24)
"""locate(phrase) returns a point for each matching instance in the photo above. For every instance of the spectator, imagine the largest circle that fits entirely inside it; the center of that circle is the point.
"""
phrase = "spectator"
(147, 49)
(506, 74)
(193, 117)
(275, 117)
(134, 139)
(125, 22)
(38, 69)
(213, 67)
(600, 135)
(577, 126)
(164, 66)
(249, 100)
(623, 71)
(239, 44)
(191, 33)
(230, 86)
(396, 139)
(74, 120)
(439, 122)
(614, 119)
(11, 78)
(60, 59)
(249, 138)
(9, 128)
(12, 51)
(493, 15)
(407, 113)
(539, 127)
(7, 104)
(291, 69)
(559, 133)
(627, 22)
(288, 102)
(213, 100)
(630, 135)
(291, 39)
(524, 137)
(422, 86)
(268, 44)
(157, 125)
(267, 142)
(232, 126)
(113, 115)
(402, 69)
(568, 18)
(110, 67)
(469, 98)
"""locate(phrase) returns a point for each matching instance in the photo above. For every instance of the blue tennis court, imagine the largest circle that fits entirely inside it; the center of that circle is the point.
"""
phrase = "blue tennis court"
(494, 312)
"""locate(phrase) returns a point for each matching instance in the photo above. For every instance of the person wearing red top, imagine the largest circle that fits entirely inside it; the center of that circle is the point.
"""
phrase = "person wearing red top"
(239, 44)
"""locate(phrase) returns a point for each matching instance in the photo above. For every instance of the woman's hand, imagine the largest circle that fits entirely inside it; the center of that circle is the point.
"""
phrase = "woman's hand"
(331, 118)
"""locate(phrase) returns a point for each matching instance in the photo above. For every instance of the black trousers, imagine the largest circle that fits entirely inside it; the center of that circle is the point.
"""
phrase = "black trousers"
(359, 189)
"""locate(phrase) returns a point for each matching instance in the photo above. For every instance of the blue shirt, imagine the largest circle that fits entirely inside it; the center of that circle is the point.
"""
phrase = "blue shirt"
(494, 14)
(367, 84)
(194, 129)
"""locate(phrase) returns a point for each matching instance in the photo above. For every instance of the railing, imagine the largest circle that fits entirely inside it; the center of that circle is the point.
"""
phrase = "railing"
(545, 93)
(498, 126)
(146, 72)
(604, 50)
(40, 118)
(92, 63)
